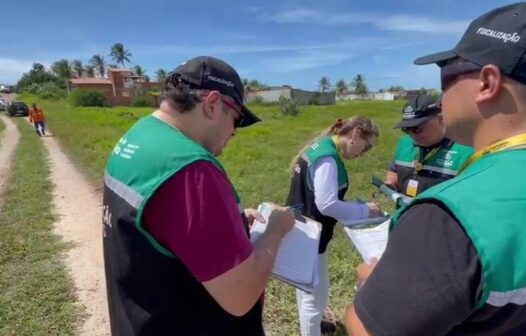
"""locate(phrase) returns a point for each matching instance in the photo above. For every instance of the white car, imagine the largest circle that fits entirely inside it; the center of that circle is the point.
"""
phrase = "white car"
(2, 104)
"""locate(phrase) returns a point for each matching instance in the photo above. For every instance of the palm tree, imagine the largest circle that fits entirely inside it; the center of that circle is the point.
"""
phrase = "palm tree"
(341, 87)
(97, 61)
(359, 85)
(62, 68)
(119, 54)
(324, 84)
(90, 71)
(161, 75)
(139, 71)
(78, 67)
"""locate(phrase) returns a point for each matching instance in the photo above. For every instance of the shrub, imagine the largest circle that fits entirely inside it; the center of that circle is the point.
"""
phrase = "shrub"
(86, 98)
(258, 100)
(315, 99)
(288, 106)
(50, 90)
(45, 90)
(142, 101)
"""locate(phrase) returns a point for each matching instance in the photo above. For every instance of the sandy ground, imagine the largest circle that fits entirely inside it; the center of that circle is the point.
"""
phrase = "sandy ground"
(78, 206)
(10, 137)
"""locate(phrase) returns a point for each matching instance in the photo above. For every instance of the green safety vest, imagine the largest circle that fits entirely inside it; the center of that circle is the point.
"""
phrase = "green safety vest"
(441, 166)
(489, 201)
(325, 147)
(141, 173)
(150, 290)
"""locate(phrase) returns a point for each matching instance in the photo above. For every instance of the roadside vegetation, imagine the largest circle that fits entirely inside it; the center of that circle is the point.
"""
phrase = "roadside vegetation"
(36, 292)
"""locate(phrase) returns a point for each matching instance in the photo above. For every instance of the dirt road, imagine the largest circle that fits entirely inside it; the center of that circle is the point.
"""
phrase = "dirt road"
(8, 144)
(79, 207)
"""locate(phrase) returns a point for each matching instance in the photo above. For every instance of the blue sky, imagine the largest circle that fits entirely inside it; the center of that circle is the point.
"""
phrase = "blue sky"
(279, 42)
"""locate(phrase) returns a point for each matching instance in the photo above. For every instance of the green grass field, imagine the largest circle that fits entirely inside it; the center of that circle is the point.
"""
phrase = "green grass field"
(257, 160)
(36, 293)
(2, 126)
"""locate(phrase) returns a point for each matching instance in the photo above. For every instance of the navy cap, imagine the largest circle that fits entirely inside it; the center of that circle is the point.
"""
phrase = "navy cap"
(419, 110)
(209, 73)
(497, 37)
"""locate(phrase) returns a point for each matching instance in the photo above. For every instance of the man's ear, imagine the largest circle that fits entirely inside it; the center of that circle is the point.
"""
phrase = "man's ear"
(440, 119)
(212, 105)
(490, 83)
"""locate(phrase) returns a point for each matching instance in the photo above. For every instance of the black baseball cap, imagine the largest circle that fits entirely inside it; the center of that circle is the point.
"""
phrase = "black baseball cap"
(419, 110)
(209, 73)
(497, 37)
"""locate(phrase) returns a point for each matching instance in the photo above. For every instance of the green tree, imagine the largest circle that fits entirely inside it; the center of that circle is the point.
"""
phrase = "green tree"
(324, 84)
(119, 54)
(37, 68)
(77, 67)
(360, 87)
(395, 88)
(161, 75)
(37, 76)
(90, 71)
(62, 69)
(97, 61)
(139, 71)
(341, 87)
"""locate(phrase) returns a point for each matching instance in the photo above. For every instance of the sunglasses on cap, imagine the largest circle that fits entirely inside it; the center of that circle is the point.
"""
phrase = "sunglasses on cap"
(232, 104)
(450, 72)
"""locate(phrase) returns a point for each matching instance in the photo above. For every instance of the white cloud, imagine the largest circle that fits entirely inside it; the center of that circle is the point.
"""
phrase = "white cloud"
(423, 24)
(307, 60)
(410, 77)
(255, 48)
(12, 69)
(420, 24)
(397, 46)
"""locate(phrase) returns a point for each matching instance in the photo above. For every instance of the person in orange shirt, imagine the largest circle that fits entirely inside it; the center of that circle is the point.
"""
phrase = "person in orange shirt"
(37, 117)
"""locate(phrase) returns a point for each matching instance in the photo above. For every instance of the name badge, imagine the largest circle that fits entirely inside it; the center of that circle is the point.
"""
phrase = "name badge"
(412, 187)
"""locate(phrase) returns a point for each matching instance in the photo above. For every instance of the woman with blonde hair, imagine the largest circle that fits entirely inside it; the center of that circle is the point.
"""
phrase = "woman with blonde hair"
(319, 182)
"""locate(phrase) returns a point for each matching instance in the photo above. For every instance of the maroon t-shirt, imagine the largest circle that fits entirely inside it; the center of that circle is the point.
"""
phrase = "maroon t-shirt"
(195, 215)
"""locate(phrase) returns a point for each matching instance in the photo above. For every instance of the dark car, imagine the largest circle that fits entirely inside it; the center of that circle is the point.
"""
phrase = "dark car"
(17, 108)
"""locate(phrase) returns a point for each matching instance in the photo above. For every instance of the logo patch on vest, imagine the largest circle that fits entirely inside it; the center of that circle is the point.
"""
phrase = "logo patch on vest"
(447, 160)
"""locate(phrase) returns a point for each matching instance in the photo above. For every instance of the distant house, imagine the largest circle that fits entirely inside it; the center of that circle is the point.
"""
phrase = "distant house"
(118, 89)
(302, 97)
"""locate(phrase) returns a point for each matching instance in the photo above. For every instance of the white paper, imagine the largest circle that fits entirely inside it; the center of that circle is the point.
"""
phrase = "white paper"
(297, 257)
(370, 242)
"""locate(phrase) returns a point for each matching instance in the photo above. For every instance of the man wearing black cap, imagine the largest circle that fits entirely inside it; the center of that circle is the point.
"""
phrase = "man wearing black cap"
(424, 157)
(455, 261)
(177, 253)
